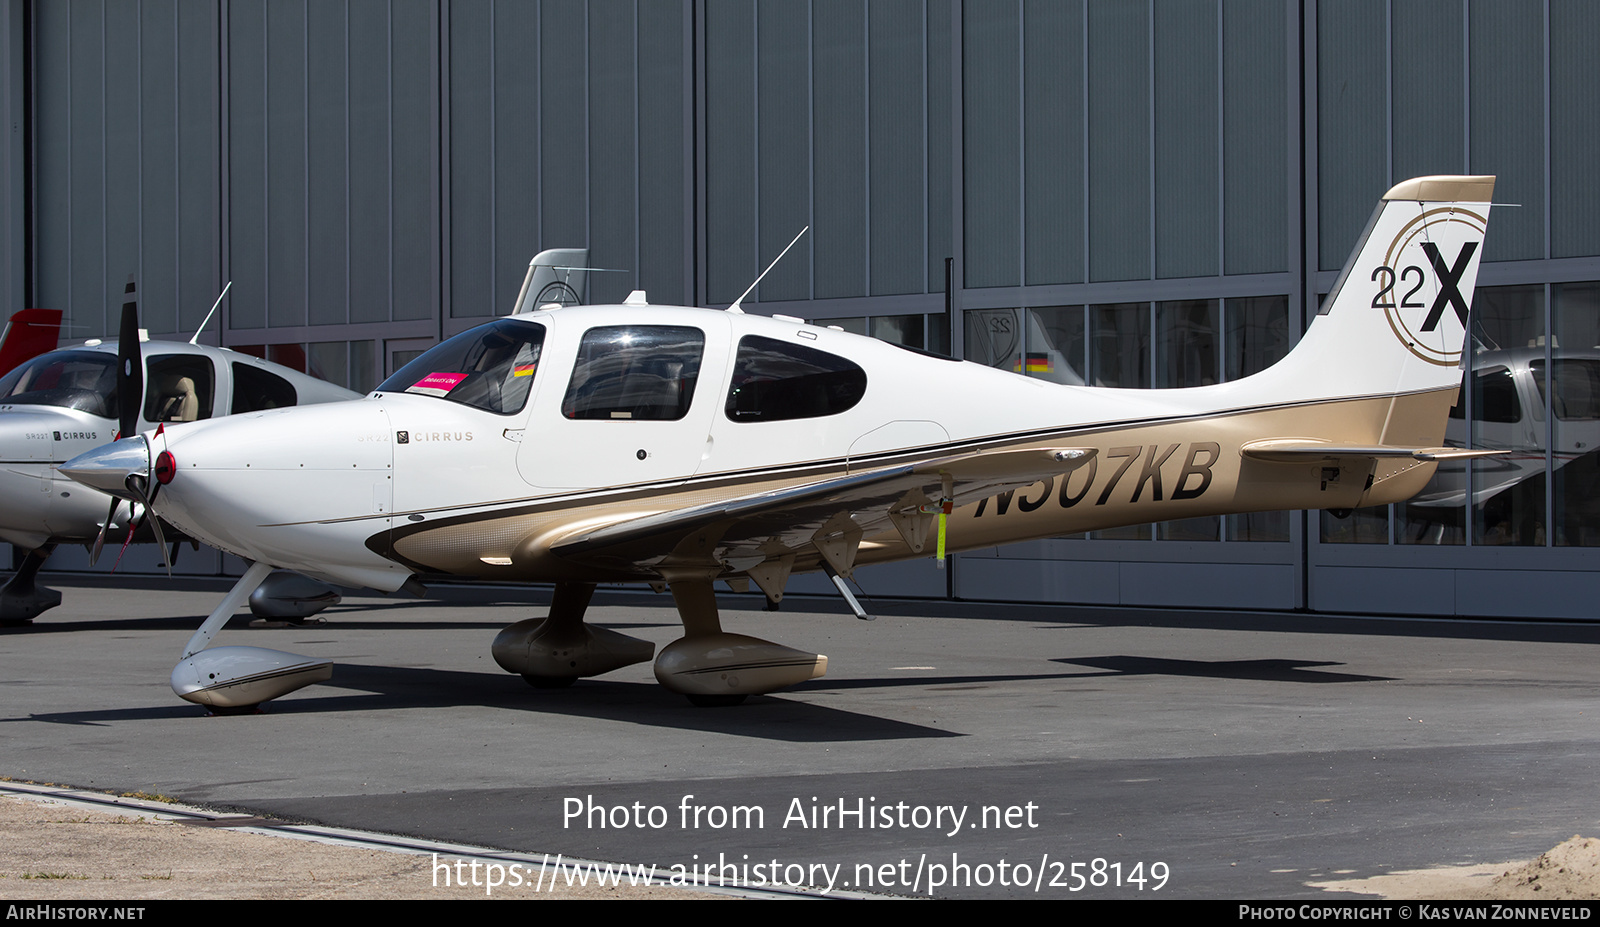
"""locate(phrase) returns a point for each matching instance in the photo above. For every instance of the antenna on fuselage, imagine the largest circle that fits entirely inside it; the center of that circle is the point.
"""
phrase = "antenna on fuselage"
(196, 338)
(734, 306)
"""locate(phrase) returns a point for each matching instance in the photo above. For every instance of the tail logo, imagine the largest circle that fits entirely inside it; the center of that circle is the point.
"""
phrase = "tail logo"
(1415, 267)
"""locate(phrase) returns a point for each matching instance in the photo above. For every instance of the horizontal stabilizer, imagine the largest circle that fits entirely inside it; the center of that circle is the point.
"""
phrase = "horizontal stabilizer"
(1302, 450)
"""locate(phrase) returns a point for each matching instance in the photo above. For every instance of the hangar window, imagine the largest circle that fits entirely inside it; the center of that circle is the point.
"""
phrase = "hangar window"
(634, 372)
(774, 381)
(490, 367)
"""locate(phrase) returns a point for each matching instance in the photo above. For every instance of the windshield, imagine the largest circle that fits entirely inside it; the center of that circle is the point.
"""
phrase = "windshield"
(490, 367)
(82, 380)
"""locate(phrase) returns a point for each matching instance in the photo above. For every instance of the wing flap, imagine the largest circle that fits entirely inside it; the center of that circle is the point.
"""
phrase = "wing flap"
(1305, 450)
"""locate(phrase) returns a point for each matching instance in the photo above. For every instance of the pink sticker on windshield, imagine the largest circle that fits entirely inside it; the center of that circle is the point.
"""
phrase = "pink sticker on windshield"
(437, 384)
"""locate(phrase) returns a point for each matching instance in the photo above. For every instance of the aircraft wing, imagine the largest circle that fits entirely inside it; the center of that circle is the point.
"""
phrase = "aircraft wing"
(828, 515)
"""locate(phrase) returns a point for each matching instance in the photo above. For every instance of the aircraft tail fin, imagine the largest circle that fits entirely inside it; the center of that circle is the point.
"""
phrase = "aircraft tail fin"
(29, 333)
(1396, 320)
(558, 276)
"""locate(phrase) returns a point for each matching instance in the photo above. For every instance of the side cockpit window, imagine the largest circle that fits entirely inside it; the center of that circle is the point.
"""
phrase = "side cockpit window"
(255, 390)
(178, 388)
(1496, 399)
(774, 381)
(635, 372)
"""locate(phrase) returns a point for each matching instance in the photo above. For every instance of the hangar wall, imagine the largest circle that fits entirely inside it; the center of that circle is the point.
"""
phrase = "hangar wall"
(1140, 193)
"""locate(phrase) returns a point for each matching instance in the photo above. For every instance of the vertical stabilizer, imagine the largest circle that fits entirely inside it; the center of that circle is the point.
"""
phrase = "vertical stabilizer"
(29, 333)
(1396, 321)
(554, 276)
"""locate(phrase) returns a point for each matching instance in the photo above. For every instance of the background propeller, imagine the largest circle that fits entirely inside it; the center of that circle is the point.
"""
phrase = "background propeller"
(130, 396)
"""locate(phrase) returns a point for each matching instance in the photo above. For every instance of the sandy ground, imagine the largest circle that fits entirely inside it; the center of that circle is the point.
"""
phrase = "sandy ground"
(51, 851)
(1569, 872)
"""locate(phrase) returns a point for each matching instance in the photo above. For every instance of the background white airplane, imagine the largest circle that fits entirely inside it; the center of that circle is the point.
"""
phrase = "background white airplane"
(680, 446)
(61, 403)
(1510, 385)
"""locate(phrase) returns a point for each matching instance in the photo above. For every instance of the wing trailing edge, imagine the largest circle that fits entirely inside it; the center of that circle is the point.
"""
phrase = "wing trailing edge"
(1303, 450)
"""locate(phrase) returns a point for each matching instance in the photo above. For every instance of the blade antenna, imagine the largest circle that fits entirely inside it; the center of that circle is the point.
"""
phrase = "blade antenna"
(196, 338)
(734, 307)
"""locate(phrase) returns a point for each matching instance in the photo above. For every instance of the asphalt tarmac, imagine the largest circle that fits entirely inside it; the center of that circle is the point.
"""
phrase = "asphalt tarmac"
(953, 750)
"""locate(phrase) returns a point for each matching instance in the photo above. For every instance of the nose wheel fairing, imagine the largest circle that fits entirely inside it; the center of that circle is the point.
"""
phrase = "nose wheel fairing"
(21, 600)
(236, 678)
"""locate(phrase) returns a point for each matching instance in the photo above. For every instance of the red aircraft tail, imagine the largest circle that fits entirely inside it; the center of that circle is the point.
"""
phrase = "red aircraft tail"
(30, 333)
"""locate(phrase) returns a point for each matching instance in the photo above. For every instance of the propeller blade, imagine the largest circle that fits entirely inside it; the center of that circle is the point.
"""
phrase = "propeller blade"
(140, 487)
(130, 365)
(100, 539)
(161, 541)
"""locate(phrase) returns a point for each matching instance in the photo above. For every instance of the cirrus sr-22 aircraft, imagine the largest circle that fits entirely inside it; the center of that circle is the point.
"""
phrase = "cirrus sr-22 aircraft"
(681, 446)
(61, 403)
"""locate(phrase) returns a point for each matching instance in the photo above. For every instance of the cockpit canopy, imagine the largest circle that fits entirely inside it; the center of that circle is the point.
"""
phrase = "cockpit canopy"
(490, 367)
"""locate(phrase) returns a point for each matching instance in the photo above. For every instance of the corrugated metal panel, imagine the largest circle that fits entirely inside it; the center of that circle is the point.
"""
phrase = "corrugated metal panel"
(371, 166)
(1053, 144)
(1255, 126)
(473, 171)
(730, 169)
(839, 148)
(1186, 144)
(612, 168)
(939, 144)
(1119, 142)
(514, 211)
(286, 162)
(1429, 110)
(327, 166)
(1574, 130)
(895, 89)
(416, 170)
(991, 169)
(247, 167)
(783, 61)
(664, 250)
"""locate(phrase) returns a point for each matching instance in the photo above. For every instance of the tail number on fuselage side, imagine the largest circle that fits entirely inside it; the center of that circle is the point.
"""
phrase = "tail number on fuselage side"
(1193, 478)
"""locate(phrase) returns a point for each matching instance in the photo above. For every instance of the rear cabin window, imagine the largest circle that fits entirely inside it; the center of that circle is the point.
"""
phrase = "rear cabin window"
(775, 381)
(255, 389)
(634, 373)
(1577, 395)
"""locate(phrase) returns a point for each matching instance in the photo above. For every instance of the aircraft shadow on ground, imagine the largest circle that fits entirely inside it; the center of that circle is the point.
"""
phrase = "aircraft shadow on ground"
(391, 688)
(1262, 670)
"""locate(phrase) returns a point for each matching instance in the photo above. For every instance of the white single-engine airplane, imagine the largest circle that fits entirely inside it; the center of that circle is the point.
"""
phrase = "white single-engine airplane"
(59, 404)
(679, 446)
